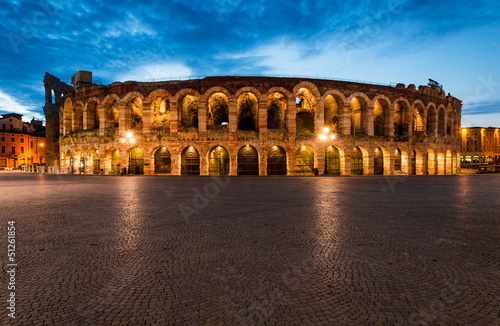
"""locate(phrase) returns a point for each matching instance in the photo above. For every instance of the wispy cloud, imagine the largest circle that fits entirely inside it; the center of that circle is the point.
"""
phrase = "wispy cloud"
(155, 71)
(10, 105)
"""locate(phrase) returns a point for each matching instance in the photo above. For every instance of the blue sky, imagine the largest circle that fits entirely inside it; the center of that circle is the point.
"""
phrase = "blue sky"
(454, 42)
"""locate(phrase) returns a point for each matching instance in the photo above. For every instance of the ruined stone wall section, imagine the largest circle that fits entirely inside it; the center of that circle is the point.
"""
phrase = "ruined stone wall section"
(426, 132)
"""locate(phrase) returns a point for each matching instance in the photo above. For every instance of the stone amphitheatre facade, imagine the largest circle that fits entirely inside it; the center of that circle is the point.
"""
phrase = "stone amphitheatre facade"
(251, 125)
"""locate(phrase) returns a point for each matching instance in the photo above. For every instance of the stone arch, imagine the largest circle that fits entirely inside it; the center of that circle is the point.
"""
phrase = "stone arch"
(401, 160)
(68, 116)
(431, 126)
(277, 161)
(441, 120)
(91, 114)
(334, 160)
(159, 110)
(418, 117)
(190, 160)
(248, 160)
(247, 110)
(401, 117)
(449, 123)
(333, 104)
(277, 104)
(306, 98)
(304, 160)
(78, 116)
(359, 107)
(111, 112)
(218, 110)
(359, 161)
(218, 160)
(134, 114)
(417, 162)
(382, 161)
(455, 162)
(381, 116)
(162, 160)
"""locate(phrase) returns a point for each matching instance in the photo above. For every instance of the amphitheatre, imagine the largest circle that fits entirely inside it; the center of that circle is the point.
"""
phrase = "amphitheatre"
(235, 125)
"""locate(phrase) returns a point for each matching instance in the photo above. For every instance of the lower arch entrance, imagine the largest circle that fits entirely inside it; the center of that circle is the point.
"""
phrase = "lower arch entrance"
(248, 161)
(276, 161)
(163, 161)
(190, 161)
(115, 162)
(304, 161)
(356, 162)
(218, 161)
(332, 161)
(136, 161)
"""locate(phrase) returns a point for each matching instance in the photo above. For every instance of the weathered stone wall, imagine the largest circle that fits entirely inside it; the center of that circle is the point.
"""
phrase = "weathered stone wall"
(423, 124)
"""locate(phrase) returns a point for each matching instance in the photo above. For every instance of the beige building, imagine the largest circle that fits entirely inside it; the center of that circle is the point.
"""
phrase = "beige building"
(251, 125)
(480, 145)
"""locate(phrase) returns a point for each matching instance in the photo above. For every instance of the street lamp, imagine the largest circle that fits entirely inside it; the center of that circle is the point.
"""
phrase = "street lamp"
(130, 139)
(324, 136)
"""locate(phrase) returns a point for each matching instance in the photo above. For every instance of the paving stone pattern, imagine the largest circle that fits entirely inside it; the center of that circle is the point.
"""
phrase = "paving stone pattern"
(169, 250)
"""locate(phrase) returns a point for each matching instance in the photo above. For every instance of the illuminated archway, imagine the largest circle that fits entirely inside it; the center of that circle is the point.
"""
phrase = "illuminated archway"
(304, 160)
(163, 161)
(332, 161)
(218, 161)
(276, 161)
(190, 161)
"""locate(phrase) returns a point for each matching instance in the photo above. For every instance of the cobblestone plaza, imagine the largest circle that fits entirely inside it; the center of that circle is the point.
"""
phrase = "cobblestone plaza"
(169, 250)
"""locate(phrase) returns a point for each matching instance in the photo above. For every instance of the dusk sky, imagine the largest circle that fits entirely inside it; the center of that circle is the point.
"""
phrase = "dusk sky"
(456, 43)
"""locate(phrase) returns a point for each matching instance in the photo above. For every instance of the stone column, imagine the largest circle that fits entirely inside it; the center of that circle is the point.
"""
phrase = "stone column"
(320, 159)
(368, 122)
(146, 118)
(202, 117)
(102, 120)
(345, 125)
(262, 116)
(148, 167)
(174, 117)
(233, 120)
(232, 164)
(175, 162)
(291, 163)
(263, 164)
(290, 116)
(389, 122)
(347, 163)
(371, 163)
(122, 118)
(319, 116)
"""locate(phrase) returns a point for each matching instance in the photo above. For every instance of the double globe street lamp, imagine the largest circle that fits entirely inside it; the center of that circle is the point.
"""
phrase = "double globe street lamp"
(130, 140)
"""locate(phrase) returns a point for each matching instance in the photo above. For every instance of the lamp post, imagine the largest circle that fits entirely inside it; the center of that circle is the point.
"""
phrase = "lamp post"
(324, 136)
(130, 139)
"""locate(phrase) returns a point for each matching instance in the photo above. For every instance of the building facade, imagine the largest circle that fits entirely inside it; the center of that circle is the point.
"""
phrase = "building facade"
(480, 145)
(257, 126)
(20, 142)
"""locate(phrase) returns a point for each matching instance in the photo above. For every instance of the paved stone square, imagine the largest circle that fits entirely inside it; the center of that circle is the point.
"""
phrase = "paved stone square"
(168, 250)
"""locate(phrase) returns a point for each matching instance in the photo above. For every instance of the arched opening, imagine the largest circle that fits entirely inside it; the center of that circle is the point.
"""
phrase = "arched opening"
(112, 115)
(333, 105)
(418, 119)
(92, 115)
(115, 162)
(431, 121)
(276, 111)
(306, 105)
(248, 161)
(163, 161)
(78, 117)
(218, 111)
(357, 162)
(358, 112)
(81, 169)
(441, 127)
(135, 114)
(397, 160)
(247, 112)
(332, 161)
(304, 160)
(136, 161)
(378, 162)
(161, 114)
(189, 112)
(276, 161)
(380, 110)
(218, 161)
(190, 161)
(400, 123)
(69, 162)
(96, 162)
